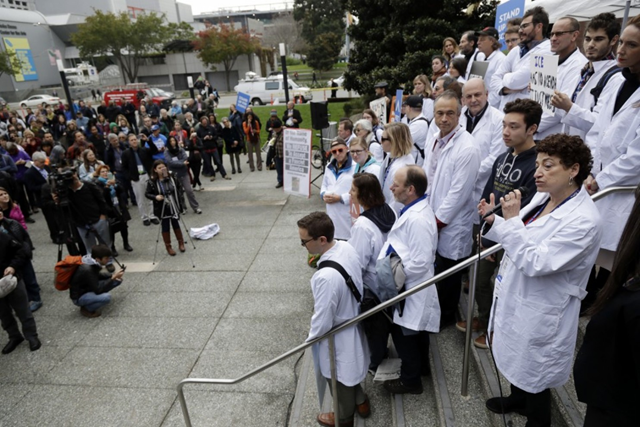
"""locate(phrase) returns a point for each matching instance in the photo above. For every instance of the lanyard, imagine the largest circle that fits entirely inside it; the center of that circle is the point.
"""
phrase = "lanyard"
(386, 172)
(443, 145)
(533, 218)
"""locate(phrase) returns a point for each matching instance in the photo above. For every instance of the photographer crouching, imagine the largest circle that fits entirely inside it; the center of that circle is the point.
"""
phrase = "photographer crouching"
(86, 205)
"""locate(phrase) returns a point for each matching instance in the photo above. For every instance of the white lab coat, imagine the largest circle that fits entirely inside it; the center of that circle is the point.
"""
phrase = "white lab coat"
(451, 192)
(419, 128)
(367, 240)
(427, 108)
(495, 60)
(488, 137)
(371, 167)
(387, 173)
(414, 237)
(615, 145)
(583, 113)
(568, 78)
(541, 281)
(339, 212)
(334, 304)
(514, 73)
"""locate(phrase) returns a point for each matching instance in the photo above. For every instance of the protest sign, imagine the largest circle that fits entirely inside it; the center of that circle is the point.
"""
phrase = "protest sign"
(543, 80)
(297, 161)
(379, 106)
(397, 109)
(504, 13)
(242, 102)
(478, 69)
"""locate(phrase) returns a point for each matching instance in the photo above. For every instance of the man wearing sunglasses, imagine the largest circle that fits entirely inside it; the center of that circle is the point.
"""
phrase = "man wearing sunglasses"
(336, 182)
(564, 36)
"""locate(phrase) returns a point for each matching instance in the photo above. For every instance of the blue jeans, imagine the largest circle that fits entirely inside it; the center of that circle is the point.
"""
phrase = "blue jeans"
(92, 302)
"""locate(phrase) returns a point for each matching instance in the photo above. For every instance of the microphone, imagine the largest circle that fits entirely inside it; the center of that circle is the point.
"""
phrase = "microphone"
(524, 191)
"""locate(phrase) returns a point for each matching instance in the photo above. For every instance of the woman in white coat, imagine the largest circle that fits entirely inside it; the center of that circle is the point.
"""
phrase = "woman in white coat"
(368, 235)
(335, 183)
(397, 143)
(364, 163)
(550, 247)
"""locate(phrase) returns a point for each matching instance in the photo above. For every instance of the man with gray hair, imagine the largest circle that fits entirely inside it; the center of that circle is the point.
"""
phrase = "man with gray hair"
(469, 51)
(451, 165)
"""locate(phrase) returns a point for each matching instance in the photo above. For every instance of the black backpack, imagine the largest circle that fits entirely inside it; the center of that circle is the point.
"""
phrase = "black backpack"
(597, 90)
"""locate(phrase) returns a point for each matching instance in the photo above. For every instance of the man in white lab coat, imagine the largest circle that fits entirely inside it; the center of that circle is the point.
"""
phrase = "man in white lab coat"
(334, 304)
(489, 44)
(452, 163)
(469, 51)
(418, 126)
(564, 36)
(599, 74)
(511, 81)
(414, 237)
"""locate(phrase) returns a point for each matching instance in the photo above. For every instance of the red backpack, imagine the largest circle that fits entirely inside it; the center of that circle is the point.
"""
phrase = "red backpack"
(64, 271)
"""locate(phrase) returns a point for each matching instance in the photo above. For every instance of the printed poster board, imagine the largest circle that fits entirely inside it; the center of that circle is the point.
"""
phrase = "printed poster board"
(297, 161)
(379, 106)
(478, 69)
(20, 46)
(543, 80)
(243, 101)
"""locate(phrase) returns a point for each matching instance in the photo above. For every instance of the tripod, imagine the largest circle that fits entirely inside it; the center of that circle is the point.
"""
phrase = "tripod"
(167, 191)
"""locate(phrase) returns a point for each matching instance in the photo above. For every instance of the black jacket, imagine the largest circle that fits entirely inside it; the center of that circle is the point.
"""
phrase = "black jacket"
(34, 181)
(130, 166)
(87, 204)
(172, 187)
(18, 233)
(296, 115)
(89, 278)
(12, 254)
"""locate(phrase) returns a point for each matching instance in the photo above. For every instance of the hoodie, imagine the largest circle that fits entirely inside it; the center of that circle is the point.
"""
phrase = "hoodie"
(382, 216)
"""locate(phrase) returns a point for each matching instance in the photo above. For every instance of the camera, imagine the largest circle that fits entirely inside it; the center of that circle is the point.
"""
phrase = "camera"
(60, 183)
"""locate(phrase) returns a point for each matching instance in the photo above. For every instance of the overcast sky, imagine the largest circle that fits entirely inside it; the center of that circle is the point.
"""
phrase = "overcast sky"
(201, 6)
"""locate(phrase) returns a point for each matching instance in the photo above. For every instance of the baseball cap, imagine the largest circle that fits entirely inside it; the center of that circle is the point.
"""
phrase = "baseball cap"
(488, 31)
(155, 128)
(414, 101)
(274, 112)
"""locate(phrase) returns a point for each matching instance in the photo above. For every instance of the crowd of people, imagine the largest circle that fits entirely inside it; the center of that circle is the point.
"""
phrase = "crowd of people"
(421, 194)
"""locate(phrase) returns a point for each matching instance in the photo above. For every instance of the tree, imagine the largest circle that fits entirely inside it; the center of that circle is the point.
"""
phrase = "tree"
(223, 44)
(324, 52)
(322, 28)
(285, 29)
(9, 63)
(394, 40)
(126, 40)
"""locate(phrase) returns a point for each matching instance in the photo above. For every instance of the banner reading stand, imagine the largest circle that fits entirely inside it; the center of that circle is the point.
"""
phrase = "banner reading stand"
(297, 161)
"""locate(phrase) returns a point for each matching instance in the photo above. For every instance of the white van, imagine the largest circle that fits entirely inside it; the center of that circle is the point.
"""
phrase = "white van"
(264, 90)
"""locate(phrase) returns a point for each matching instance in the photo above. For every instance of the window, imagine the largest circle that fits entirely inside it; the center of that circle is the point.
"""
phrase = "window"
(272, 85)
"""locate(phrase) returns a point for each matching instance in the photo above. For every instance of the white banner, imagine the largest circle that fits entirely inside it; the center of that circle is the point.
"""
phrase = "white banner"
(297, 161)
(543, 80)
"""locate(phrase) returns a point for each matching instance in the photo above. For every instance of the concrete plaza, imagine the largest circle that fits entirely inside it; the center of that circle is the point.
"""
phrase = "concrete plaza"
(246, 301)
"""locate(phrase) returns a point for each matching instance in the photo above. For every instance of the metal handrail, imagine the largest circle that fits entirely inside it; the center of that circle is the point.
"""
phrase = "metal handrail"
(472, 260)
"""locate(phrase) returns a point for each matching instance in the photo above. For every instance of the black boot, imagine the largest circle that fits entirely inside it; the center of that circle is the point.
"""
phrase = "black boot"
(125, 239)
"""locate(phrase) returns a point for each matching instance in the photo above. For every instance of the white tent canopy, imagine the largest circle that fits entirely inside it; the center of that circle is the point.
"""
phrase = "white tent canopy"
(583, 10)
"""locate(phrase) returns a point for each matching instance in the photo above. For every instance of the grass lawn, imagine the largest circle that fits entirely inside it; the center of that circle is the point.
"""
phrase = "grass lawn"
(336, 112)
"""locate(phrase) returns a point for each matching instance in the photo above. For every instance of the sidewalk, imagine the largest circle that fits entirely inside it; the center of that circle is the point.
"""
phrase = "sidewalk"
(246, 301)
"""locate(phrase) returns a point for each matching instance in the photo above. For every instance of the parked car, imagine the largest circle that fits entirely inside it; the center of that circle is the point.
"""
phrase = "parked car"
(35, 100)
(263, 90)
(135, 92)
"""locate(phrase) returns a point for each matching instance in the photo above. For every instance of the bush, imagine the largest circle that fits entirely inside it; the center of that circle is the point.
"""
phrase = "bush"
(355, 106)
(293, 61)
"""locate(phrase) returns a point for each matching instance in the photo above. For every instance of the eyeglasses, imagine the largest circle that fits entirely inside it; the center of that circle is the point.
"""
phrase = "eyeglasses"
(353, 152)
(304, 242)
(560, 33)
(525, 25)
(337, 151)
(384, 138)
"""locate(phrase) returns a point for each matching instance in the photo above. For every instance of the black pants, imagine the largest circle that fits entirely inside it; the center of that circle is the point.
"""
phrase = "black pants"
(537, 406)
(448, 290)
(17, 301)
(167, 223)
(597, 417)
(414, 353)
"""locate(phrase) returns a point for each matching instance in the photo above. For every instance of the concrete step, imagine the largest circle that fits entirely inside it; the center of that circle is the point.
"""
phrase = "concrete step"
(565, 408)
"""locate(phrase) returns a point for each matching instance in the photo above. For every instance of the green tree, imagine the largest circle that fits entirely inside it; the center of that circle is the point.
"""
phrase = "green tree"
(394, 40)
(324, 52)
(9, 63)
(223, 44)
(125, 40)
(323, 29)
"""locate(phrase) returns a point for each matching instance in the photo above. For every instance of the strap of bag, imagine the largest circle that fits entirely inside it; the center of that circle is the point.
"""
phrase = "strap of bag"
(352, 286)
(597, 90)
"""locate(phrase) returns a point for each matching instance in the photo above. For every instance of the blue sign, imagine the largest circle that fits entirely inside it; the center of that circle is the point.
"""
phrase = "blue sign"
(398, 107)
(243, 101)
(506, 12)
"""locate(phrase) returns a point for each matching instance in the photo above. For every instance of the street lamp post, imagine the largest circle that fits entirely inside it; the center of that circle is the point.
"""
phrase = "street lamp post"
(65, 84)
(285, 81)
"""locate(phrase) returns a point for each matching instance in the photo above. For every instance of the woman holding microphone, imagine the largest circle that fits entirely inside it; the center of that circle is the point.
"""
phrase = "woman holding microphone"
(550, 247)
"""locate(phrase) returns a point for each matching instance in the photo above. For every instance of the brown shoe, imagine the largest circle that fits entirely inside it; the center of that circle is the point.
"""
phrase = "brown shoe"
(326, 419)
(167, 243)
(364, 409)
(481, 341)
(89, 314)
(476, 325)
